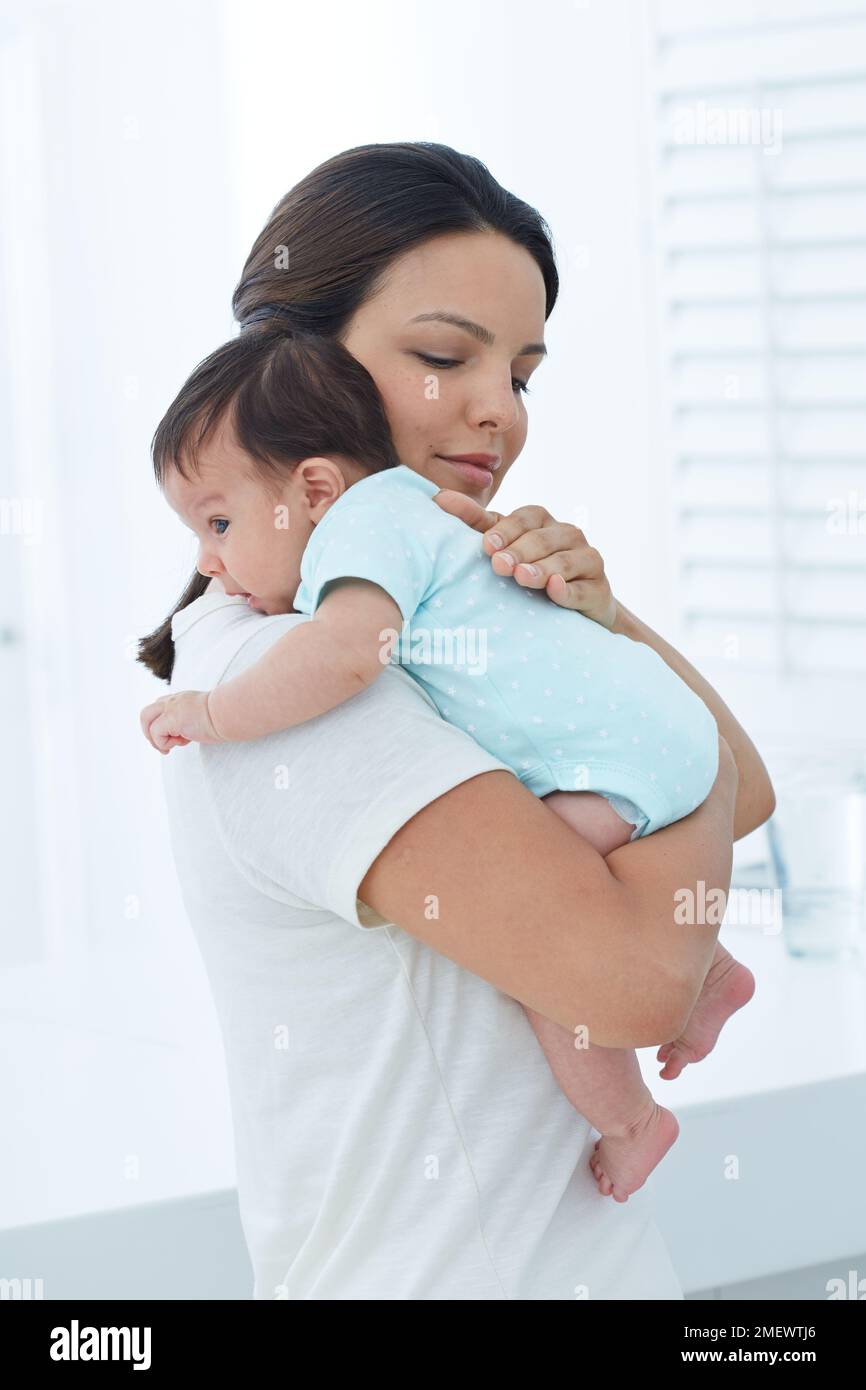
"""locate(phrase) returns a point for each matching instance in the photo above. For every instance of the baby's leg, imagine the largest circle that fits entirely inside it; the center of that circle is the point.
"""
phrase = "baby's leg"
(728, 985)
(605, 1083)
(593, 817)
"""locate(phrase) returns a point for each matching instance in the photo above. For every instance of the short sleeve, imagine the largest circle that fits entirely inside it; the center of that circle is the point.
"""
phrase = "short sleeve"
(305, 812)
(365, 540)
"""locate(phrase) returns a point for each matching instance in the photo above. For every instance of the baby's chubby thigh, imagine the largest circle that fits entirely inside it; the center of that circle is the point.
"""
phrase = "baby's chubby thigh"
(593, 817)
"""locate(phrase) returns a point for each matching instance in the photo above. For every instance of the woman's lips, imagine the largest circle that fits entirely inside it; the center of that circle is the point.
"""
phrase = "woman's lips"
(473, 473)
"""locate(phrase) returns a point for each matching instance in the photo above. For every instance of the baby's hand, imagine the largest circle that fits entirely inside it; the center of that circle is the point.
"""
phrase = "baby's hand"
(175, 720)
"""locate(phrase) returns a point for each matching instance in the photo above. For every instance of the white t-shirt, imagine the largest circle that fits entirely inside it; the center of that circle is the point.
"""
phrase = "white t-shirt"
(398, 1131)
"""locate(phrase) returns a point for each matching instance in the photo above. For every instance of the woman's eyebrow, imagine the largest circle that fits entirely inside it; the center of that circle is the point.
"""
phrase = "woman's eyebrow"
(482, 334)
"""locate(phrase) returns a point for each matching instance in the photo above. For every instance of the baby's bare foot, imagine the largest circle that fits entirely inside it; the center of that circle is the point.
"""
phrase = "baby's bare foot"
(623, 1162)
(728, 986)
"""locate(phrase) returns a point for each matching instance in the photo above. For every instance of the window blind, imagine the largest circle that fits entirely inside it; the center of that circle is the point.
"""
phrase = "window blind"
(759, 192)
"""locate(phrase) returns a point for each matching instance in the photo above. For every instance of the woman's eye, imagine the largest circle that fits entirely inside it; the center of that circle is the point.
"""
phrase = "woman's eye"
(219, 521)
(438, 361)
(516, 383)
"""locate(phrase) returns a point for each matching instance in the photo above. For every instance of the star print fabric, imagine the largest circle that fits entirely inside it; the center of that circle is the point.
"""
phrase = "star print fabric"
(564, 702)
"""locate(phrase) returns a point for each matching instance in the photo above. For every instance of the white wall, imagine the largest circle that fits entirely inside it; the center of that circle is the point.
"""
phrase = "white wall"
(116, 277)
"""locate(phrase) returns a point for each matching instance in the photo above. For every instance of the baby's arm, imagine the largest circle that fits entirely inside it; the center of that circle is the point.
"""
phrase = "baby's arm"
(313, 668)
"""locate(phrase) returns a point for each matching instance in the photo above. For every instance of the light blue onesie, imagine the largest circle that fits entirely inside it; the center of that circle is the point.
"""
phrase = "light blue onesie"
(563, 701)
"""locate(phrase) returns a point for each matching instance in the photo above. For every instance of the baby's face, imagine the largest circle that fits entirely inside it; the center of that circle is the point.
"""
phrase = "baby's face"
(251, 536)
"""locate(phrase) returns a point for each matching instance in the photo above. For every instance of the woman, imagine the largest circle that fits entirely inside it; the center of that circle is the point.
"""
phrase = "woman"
(439, 282)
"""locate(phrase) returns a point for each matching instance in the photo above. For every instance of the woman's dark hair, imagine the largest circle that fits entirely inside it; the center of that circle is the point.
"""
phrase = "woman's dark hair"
(328, 246)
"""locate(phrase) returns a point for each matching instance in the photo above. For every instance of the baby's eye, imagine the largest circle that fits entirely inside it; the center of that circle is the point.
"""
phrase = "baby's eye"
(219, 521)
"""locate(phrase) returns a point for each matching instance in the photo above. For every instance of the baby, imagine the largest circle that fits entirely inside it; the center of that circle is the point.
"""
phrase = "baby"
(596, 724)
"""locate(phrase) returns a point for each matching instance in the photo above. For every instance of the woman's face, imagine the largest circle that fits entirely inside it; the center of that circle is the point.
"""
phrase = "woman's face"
(451, 389)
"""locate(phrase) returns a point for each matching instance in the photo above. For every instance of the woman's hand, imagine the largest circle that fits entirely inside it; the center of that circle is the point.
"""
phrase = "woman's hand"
(175, 720)
(540, 553)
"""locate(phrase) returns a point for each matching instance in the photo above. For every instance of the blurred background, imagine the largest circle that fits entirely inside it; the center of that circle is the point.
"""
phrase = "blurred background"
(701, 416)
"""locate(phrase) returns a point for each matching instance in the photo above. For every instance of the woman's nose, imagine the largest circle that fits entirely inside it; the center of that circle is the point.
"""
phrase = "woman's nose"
(495, 406)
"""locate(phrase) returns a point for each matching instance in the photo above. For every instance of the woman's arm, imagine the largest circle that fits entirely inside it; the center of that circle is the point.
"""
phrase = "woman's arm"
(756, 800)
(527, 904)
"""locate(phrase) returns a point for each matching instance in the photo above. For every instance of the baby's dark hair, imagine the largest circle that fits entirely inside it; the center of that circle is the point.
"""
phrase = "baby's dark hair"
(290, 396)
